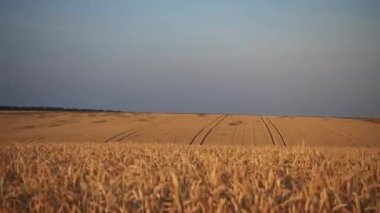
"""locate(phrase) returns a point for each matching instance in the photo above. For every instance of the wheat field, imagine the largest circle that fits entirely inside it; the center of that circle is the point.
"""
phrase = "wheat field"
(87, 177)
(191, 129)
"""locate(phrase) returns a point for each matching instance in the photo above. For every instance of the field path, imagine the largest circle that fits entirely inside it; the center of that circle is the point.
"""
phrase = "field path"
(212, 128)
(270, 132)
(124, 135)
(278, 131)
(180, 129)
(201, 130)
(117, 135)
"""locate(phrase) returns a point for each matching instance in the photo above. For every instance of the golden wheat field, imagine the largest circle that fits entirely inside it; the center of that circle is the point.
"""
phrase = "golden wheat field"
(139, 162)
(180, 178)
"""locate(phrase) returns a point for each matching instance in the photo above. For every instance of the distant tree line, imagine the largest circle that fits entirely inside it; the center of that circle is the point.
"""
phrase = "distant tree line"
(41, 108)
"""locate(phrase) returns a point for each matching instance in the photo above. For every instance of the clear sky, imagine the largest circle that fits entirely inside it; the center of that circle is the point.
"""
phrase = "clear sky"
(301, 57)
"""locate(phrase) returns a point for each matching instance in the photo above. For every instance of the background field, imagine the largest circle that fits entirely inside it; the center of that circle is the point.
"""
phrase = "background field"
(215, 129)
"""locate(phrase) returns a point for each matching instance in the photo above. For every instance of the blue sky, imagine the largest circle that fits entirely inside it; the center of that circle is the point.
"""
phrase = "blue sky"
(256, 57)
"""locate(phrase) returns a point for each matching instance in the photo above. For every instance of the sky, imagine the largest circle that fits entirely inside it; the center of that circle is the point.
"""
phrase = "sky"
(299, 57)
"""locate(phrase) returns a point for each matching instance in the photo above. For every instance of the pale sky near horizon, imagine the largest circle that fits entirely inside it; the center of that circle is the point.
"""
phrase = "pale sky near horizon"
(256, 57)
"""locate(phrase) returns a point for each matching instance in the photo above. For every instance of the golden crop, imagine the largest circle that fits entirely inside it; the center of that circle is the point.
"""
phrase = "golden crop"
(178, 178)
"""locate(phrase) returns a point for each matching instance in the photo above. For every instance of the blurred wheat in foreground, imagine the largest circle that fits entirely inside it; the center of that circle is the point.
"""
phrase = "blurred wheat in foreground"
(174, 178)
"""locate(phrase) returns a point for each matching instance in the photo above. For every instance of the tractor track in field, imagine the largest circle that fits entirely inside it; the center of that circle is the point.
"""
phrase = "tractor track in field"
(278, 132)
(115, 136)
(212, 128)
(34, 139)
(131, 132)
(202, 129)
(128, 133)
(270, 133)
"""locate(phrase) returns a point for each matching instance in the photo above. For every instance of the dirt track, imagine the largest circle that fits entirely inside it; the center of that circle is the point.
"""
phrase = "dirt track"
(30, 127)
